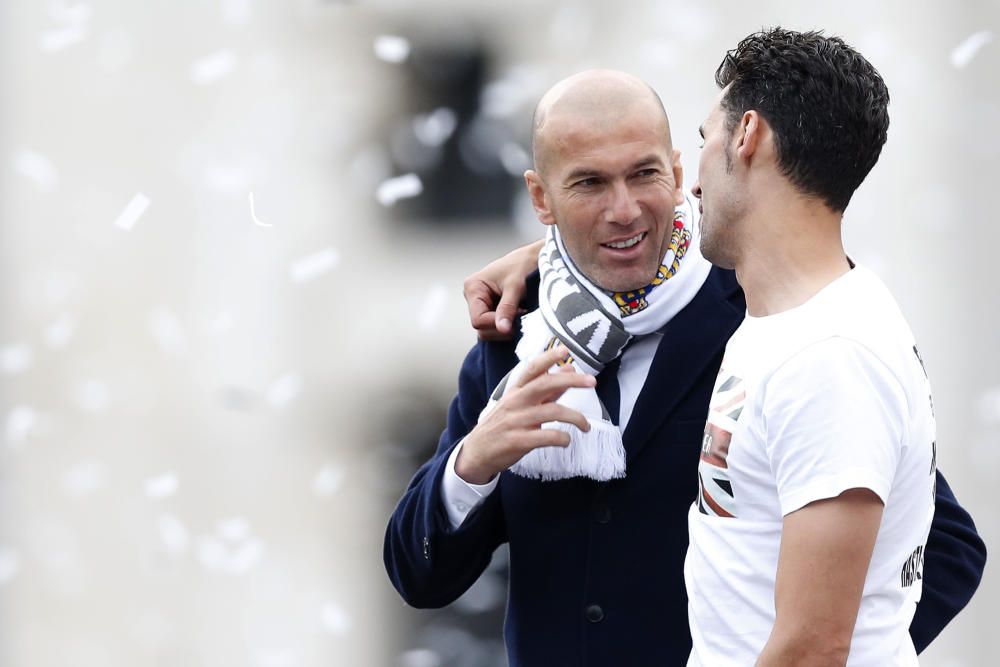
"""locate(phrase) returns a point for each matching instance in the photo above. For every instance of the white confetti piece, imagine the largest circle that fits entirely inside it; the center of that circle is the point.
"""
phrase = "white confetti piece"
(284, 390)
(234, 528)
(161, 486)
(58, 39)
(514, 159)
(174, 534)
(420, 657)
(336, 620)
(216, 555)
(213, 67)
(38, 169)
(167, 330)
(402, 187)
(92, 395)
(392, 48)
(433, 307)
(989, 405)
(313, 266)
(16, 358)
(253, 215)
(10, 563)
(434, 128)
(60, 333)
(220, 324)
(85, 478)
(328, 480)
(64, 12)
(132, 212)
(963, 54)
(21, 422)
(236, 12)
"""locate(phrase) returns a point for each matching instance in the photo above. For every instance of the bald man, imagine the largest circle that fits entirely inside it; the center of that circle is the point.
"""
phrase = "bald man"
(596, 566)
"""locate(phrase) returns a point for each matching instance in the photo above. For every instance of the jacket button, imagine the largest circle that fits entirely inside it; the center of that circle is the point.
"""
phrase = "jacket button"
(602, 513)
(594, 613)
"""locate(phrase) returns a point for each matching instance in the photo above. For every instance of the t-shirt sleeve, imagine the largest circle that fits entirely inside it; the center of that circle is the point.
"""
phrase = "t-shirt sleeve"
(834, 419)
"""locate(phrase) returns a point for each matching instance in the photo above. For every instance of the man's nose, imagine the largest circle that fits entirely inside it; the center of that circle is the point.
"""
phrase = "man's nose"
(623, 208)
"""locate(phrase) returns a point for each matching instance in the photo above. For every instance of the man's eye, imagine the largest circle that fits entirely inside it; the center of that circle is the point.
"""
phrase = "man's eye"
(647, 173)
(586, 182)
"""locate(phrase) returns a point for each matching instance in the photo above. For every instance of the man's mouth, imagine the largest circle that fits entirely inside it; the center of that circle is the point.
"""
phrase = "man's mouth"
(627, 243)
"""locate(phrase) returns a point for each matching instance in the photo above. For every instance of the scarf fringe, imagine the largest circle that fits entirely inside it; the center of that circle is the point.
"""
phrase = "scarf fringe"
(598, 454)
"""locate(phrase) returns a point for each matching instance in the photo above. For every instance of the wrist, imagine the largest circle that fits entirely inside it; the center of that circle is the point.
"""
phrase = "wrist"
(469, 471)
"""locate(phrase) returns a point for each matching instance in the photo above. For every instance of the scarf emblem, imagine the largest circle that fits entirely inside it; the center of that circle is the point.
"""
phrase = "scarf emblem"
(630, 303)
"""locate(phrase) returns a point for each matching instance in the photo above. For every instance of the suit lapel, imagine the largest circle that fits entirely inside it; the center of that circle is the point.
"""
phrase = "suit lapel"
(691, 340)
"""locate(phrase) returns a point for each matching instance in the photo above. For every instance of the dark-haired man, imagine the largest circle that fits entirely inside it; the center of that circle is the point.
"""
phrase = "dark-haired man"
(818, 465)
(597, 566)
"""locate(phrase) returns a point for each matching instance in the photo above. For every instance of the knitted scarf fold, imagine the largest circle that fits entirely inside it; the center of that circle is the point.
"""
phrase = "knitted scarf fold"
(595, 326)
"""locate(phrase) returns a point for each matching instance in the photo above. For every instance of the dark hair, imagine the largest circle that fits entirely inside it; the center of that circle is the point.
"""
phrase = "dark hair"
(825, 103)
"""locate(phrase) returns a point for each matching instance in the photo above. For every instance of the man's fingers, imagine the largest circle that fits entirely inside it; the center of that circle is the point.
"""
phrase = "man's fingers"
(544, 437)
(551, 386)
(541, 364)
(554, 412)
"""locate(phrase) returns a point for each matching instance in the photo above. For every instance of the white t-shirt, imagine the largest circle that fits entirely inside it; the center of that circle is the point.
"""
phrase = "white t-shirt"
(810, 402)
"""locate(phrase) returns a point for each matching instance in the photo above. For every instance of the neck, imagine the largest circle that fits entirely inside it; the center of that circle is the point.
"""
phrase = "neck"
(795, 251)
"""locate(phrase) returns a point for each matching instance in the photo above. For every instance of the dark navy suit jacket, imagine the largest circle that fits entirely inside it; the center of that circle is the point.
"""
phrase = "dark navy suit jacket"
(596, 569)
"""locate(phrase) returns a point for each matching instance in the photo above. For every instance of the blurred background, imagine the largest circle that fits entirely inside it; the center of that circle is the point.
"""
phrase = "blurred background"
(232, 240)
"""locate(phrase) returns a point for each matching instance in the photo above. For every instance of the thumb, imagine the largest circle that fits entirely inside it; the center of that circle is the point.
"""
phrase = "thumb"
(507, 308)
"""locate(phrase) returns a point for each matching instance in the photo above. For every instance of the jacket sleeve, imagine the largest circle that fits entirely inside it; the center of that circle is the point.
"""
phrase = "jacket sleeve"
(429, 563)
(953, 565)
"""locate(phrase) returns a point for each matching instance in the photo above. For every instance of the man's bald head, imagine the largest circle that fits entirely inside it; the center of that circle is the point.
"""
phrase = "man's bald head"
(599, 96)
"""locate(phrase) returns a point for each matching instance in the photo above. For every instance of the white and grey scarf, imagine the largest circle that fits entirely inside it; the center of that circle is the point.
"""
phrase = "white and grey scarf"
(596, 325)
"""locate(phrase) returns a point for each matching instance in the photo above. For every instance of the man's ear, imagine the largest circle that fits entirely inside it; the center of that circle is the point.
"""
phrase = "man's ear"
(678, 169)
(539, 197)
(750, 135)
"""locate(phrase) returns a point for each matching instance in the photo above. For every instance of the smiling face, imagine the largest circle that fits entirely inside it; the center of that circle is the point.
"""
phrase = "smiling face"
(610, 182)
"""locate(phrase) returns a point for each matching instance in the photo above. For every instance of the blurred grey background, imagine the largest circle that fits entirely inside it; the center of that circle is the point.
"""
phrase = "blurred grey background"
(232, 240)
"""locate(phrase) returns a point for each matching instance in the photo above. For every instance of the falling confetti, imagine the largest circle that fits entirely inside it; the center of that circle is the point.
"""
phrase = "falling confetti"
(420, 657)
(402, 187)
(213, 67)
(92, 396)
(64, 12)
(514, 159)
(60, 333)
(174, 534)
(15, 358)
(161, 486)
(328, 480)
(284, 390)
(236, 12)
(58, 39)
(235, 528)
(38, 169)
(963, 54)
(336, 620)
(167, 330)
(434, 128)
(313, 266)
(433, 307)
(253, 215)
(21, 422)
(233, 551)
(85, 478)
(392, 48)
(10, 563)
(132, 212)
(989, 405)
